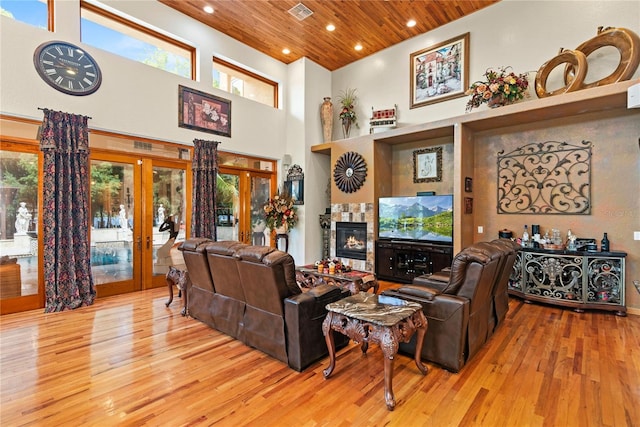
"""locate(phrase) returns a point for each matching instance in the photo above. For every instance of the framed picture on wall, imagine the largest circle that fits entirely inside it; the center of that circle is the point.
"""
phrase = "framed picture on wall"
(468, 205)
(427, 165)
(204, 112)
(468, 185)
(439, 72)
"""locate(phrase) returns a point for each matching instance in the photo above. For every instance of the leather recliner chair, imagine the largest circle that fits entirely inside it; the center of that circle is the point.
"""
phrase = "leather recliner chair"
(458, 310)
(500, 290)
(250, 292)
(228, 302)
(509, 248)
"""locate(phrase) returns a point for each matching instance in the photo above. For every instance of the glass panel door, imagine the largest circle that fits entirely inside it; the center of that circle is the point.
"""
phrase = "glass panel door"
(115, 224)
(240, 198)
(20, 288)
(260, 194)
(169, 218)
(228, 206)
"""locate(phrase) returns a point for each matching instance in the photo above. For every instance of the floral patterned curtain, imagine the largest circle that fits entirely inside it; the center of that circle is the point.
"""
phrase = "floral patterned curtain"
(68, 281)
(205, 174)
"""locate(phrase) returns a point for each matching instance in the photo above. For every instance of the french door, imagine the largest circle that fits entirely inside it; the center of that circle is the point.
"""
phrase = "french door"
(241, 194)
(131, 197)
(21, 284)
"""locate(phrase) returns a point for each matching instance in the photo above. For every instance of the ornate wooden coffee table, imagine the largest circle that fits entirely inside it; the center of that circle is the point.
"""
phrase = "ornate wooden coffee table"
(378, 319)
(354, 281)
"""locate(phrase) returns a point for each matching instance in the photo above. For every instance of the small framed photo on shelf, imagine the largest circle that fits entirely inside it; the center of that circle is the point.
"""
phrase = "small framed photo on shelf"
(468, 185)
(468, 205)
(427, 165)
(204, 112)
(440, 72)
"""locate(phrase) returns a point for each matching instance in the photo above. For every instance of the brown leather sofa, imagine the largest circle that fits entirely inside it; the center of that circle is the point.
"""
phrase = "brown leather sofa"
(251, 294)
(463, 304)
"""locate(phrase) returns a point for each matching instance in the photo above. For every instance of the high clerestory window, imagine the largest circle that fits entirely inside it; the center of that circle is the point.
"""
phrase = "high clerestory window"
(38, 13)
(237, 80)
(116, 34)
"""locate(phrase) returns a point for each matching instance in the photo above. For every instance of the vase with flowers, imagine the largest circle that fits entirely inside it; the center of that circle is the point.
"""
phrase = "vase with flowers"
(347, 100)
(280, 213)
(500, 87)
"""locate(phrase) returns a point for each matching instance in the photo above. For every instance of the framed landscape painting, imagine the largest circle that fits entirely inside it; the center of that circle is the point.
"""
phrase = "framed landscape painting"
(440, 72)
(204, 112)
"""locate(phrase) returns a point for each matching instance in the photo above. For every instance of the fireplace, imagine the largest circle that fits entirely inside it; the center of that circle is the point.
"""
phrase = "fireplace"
(351, 240)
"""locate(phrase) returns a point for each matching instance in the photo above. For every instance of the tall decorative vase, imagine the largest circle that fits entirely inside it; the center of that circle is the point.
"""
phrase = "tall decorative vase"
(346, 128)
(326, 117)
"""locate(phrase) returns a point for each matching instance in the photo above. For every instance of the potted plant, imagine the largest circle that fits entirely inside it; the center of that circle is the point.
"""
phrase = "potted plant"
(347, 100)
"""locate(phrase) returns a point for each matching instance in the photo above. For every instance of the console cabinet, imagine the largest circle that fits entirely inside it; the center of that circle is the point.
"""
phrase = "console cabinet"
(581, 280)
(401, 261)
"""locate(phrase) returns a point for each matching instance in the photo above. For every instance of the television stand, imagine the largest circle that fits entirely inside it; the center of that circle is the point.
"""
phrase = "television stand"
(402, 260)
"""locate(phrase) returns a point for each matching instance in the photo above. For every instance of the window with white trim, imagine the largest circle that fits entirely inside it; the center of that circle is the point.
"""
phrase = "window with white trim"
(116, 34)
(237, 80)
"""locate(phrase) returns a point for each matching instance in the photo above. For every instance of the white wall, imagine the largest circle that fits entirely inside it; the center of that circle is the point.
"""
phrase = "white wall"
(516, 33)
(134, 98)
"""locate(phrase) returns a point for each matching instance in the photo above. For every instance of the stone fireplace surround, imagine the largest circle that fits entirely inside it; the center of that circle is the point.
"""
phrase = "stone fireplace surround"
(354, 212)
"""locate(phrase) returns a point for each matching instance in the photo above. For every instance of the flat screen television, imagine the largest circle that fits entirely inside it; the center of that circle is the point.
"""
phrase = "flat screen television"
(418, 218)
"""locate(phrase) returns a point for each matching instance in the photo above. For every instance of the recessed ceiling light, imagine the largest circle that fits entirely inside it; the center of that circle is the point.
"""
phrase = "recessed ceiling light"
(358, 47)
(286, 51)
(411, 23)
(331, 27)
(208, 9)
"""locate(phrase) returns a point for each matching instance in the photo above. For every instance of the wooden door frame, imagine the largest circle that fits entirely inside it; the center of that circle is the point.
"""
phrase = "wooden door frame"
(148, 279)
(244, 182)
(36, 301)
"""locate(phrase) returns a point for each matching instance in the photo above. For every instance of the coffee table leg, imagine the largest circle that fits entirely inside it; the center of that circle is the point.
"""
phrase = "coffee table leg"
(328, 337)
(388, 383)
(421, 331)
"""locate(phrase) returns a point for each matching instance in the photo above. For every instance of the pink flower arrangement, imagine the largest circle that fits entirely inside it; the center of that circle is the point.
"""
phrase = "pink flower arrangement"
(500, 88)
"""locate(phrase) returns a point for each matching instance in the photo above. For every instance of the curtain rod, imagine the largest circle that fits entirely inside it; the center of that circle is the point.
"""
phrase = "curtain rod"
(45, 109)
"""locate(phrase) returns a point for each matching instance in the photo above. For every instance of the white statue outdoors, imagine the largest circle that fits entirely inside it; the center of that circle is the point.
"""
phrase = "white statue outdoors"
(23, 219)
(123, 218)
(161, 214)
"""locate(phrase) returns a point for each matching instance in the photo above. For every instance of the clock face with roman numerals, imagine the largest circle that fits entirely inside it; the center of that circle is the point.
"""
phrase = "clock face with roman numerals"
(67, 68)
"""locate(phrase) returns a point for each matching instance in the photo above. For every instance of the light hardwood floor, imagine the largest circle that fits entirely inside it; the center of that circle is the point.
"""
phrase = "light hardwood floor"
(129, 360)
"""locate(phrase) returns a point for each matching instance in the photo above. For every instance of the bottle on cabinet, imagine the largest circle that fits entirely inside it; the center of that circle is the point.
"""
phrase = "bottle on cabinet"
(525, 237)
(604, 243)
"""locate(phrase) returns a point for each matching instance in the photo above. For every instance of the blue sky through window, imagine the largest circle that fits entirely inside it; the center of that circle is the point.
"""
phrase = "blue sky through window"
(129, 47)
(33, 12)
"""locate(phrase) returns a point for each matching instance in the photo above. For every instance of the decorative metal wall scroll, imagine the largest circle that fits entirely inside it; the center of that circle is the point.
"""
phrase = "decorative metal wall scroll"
(549, 177)
(350, 172)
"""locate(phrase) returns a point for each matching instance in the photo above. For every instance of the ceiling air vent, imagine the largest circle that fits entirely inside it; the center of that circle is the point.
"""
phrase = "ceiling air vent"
(300, 11)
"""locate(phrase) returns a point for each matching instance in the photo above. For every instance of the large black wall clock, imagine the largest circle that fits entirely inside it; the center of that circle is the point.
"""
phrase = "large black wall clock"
(350, 172)
(67, 68)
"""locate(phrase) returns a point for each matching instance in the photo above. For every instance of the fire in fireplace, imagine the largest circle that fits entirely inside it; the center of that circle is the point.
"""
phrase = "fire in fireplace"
(351, 240)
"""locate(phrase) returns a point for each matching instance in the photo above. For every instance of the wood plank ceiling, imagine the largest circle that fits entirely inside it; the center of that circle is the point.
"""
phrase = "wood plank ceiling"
(267, 26)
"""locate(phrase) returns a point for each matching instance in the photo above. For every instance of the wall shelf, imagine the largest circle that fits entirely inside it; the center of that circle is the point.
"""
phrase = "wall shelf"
(464, 130)
(594, 100)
